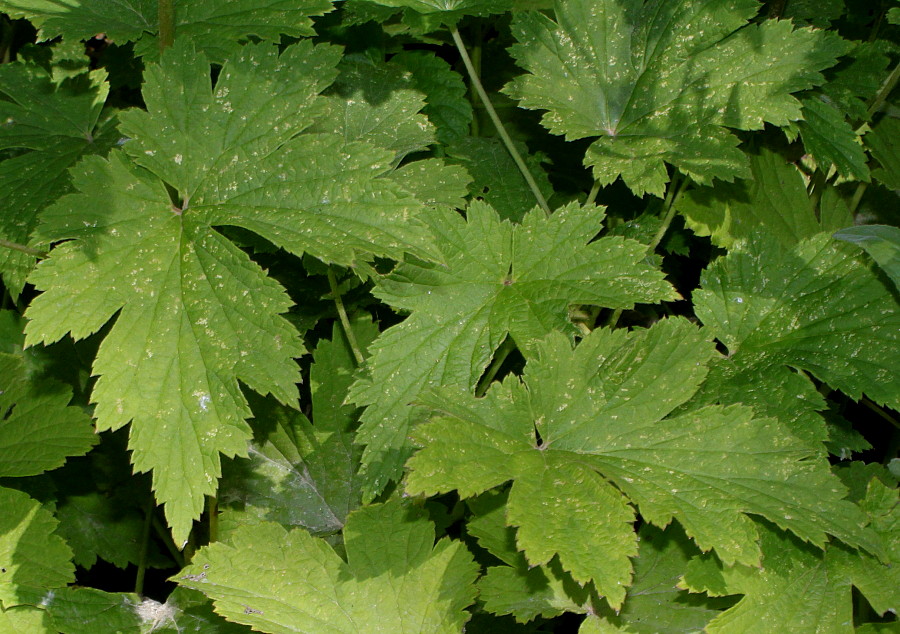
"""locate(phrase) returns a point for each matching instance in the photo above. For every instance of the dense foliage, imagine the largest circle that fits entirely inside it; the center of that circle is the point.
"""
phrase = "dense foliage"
(444, 315)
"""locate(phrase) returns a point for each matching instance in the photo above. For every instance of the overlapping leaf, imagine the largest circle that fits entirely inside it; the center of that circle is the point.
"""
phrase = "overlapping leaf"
(599, 415)
(817, 307)
(209, 24)
(499, 278)
(33, 559)
(881, 242)
(395, 577)
(196, 315)
(38, 429)
(659, 81)
(496, 179)
(775, 198)
(800, 589)
(57, 124)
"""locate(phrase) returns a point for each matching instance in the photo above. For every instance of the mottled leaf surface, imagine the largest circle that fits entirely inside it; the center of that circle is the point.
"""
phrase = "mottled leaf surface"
(499, 279)
(209, 24)
(195, 314)
(817, 307)
(600, 414)
(395, 577)
(881, 242)
(802, 589)
(660, 81)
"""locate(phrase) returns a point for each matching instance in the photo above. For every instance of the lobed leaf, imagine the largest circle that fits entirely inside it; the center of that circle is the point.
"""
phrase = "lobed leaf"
(659, 81)
(498, 279)
(395, 577)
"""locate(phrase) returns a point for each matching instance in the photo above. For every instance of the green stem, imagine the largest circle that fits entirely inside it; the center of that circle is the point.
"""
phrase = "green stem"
(776, 9)
(166, 15)
(501, 130)
(145, 542)
(503, 351)
(676, 187)
(592, 197)
(345, 320)
(163, 533)
(15, 246)
(476, 64)
(857, 197)
(889, 84)
(212, 510)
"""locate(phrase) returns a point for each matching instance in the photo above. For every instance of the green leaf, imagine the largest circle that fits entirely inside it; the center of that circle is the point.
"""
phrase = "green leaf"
(446, 104)
(658, 82)
(800, 589)
(57, 124)
(499, 279)
(87, 610)
(604, 410)
(818, 13)
(497, 180)
(377, 104)
(775, 199)
(449, 11)
(209, 24)
(518, 588)
(854, 82)
(95, 526)
(33, 560)
(881, 242)
(38, 429)
(831, 140)
(197, 315)
(395, 577)
(815, 307)
(882, 142)
(23, 618)
(434, 182)
(294, 475)
(654, 603)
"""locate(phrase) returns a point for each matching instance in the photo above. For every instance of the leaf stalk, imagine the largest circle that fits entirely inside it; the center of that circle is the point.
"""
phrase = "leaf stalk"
(501, 130)
(345, 320)
(15, 246)
(166, 15)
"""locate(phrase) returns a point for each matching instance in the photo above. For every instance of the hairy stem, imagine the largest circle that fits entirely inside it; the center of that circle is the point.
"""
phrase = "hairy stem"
(15, 246)
(676, 187)
(145, 542)
(592, 197)
(884, 91)
(776, 9)
(501, 130)
(166, 15)
(212, 510)
(163, 533)
(499, 357)
(345, 320)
